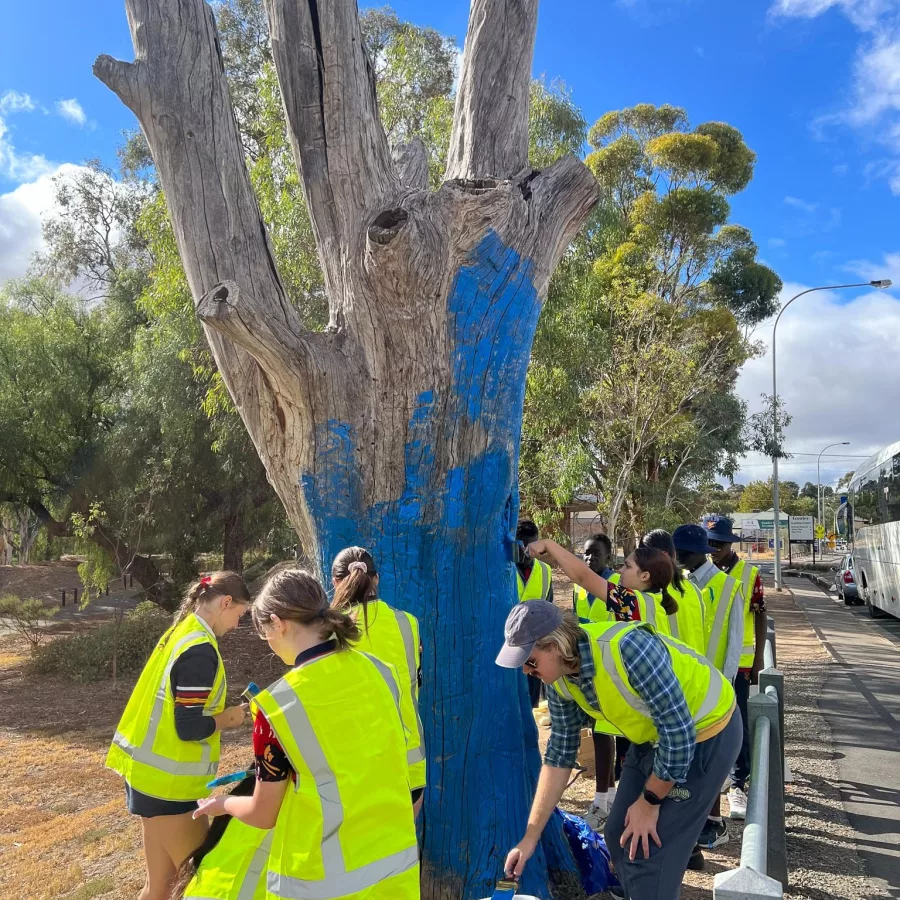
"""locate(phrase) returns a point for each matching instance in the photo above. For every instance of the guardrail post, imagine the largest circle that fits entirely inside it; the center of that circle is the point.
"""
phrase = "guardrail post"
(766, 705)
(774, 678)
(770, 636)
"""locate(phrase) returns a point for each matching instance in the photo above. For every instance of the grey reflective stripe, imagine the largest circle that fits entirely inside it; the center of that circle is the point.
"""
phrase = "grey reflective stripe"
(673, 625)
(412, 756)
(714, 692)
(417, 754)
(748, 573)
(341, 884)
(649, 607)
(256, 868)
(163, 763)
(337, 881)
(609, 664)
(722, 607)
(563, 689)
(545, 579)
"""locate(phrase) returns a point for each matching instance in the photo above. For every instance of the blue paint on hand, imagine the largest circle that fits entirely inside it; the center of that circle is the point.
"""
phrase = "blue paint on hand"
(442, 552)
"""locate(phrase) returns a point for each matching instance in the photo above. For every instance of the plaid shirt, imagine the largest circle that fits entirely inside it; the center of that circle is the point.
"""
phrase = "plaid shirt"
(650, 674)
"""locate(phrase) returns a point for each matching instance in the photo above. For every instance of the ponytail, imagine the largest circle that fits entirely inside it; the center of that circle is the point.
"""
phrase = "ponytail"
(296, 596)
(354, 576)
(217, 584)
(669, 603)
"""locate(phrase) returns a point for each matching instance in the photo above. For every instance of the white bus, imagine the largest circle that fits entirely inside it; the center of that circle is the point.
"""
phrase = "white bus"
(875, 508)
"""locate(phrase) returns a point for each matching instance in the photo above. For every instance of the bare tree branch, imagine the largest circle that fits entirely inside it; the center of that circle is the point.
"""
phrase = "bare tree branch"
(411, 162)
(328, 88)
(490, 123)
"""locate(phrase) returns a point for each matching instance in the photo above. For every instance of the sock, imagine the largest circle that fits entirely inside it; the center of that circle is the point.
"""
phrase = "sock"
(717, 819)
(612, 796)
(601, 800)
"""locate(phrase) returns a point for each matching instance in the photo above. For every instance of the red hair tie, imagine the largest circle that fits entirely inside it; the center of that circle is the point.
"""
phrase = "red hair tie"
(206, 580)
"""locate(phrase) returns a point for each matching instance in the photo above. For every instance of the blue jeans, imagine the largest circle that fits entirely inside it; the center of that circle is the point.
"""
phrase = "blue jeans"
(741, 771)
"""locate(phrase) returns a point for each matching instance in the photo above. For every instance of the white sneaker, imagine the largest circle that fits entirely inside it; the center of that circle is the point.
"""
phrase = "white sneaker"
(596, 818)
(737, 804)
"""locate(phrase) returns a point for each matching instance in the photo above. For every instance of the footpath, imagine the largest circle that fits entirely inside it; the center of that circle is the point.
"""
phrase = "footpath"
(860, 703)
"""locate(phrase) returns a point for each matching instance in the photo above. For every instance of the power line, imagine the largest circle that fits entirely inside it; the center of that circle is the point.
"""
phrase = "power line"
(830, 455)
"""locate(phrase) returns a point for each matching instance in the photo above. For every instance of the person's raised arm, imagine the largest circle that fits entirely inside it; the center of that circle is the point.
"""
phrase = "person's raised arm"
(575, 569)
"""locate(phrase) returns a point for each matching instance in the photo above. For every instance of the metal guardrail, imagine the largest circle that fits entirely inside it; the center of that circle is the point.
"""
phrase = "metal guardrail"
(762, 874)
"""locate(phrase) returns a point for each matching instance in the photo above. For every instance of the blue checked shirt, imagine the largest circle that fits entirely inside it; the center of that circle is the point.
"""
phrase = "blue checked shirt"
(650, 673)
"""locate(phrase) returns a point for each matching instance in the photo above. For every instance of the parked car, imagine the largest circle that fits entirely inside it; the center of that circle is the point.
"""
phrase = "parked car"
(845, 581)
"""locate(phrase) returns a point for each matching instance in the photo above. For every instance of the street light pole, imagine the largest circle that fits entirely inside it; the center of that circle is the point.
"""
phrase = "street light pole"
(820, 495)
(776, 449)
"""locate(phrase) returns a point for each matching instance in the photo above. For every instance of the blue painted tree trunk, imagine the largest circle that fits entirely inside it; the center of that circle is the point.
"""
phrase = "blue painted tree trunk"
(443, 552)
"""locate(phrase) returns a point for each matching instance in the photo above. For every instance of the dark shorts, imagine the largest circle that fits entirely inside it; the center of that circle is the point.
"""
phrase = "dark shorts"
(150, 807)
(416, 794)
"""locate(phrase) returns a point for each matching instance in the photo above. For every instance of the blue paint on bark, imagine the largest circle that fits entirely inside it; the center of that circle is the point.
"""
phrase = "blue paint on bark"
(442, 548)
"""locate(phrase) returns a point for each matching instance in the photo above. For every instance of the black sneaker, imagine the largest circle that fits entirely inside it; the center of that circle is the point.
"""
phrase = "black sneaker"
(696, 863)
(714, 834)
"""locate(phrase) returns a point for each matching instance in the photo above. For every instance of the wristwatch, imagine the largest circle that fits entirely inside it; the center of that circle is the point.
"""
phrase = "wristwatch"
(651, 798)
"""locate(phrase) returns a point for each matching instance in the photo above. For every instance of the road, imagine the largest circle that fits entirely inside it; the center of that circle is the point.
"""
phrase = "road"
(861, 703)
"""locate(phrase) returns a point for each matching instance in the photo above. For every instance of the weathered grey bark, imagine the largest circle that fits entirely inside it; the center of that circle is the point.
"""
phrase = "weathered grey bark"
(399, 426)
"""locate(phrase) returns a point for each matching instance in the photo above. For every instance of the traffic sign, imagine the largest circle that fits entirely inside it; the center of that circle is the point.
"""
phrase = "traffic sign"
(820, 531)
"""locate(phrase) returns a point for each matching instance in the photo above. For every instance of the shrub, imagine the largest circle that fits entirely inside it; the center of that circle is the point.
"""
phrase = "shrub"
(26, 617)
(125, 643)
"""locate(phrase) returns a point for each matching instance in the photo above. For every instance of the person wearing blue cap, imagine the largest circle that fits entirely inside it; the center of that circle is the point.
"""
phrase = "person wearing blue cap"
(722, 539)
(725, 632)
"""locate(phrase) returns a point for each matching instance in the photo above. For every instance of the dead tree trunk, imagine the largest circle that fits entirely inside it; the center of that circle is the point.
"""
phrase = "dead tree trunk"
(398, 428)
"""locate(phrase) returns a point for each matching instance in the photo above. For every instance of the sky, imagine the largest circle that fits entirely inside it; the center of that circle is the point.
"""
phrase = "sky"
(814, 85)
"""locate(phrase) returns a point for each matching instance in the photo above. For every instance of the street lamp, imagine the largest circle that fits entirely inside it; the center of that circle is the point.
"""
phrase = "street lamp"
(820, 496)
(881, 284)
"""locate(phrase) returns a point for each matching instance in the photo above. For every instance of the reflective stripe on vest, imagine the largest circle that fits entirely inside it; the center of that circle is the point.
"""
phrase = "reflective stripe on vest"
(526, 590)
(417, 754)
(219, 871)
(722, 603)
(747, 575)
(144, 752)
(338, 881)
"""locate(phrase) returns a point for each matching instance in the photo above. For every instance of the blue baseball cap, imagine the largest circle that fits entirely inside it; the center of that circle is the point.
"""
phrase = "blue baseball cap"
(691, 539)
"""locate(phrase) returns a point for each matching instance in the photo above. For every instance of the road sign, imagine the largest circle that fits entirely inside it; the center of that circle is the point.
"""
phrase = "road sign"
(801, 528)
(820, 531)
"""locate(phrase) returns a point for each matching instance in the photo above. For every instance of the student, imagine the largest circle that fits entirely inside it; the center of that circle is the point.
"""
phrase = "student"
(392, 636)
(332, 779)
(597, 554)
(724, 633)
(166, 746)
(533, 582)
(688, 624)
(722, 539)
(671, 703)
(230, 864)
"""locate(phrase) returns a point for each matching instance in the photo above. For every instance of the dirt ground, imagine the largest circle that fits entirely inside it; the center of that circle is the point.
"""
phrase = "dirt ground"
(64, 832)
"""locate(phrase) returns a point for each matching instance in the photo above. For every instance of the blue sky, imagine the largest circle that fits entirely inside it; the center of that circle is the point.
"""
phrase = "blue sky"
(814, 85)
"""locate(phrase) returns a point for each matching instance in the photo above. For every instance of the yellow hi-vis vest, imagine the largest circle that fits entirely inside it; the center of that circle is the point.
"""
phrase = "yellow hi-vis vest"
(345, 828)
(538, 582)
(689, 623)
(588, 608)
(746, 574)
(649, 608)
(146, 750)
(235, 869)
(721, 589)
(393, 637)
(710, 698)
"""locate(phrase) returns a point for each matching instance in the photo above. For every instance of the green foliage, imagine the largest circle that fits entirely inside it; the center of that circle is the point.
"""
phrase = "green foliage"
(556, 125)
(27, 618)
(761, 434)
(98, 568)
(89, 656)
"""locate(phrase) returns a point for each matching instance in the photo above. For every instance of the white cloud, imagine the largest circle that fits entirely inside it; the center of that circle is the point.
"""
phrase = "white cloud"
(811, 218)
(13, 101)
(889, 267)
(14, 165)
(21, 211)
(72, 112)
(777, 243)
(797, 203)
(864, 14)
(839, 375)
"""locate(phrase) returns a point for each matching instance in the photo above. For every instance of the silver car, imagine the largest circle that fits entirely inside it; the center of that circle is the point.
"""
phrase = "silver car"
(845, 580)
